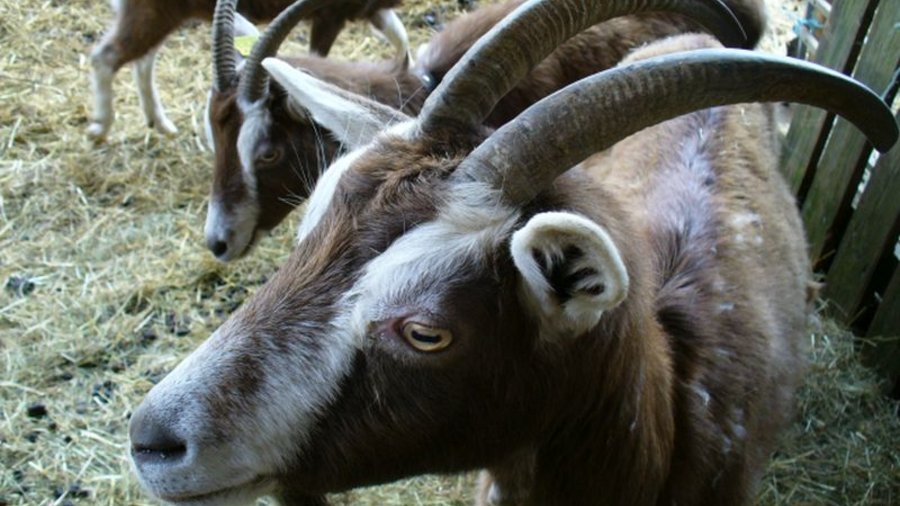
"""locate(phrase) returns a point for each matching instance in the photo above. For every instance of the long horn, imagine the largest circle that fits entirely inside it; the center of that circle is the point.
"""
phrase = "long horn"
(502, 57)
(524, 157)
(224, 64)
(254, 81)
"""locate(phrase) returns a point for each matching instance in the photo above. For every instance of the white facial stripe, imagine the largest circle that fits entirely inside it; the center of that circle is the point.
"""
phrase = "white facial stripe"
(256, 125)
(323, 193)
(275, 422)
(320, 199)
(417, 267)
(236, 229)
(207, 123)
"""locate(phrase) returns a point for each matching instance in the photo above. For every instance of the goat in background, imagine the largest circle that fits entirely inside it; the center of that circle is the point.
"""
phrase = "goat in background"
(142, 25)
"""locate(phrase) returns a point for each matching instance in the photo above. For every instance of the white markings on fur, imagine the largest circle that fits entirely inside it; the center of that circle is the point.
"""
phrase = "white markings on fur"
(207, 123)
(549, 235)
(348, 121)
(264, 429)
(701, 392)
(149, 96)
(321, 196)
(416, 270)
(235, 227)
(101, 85)
(254, 128)
(387, 23)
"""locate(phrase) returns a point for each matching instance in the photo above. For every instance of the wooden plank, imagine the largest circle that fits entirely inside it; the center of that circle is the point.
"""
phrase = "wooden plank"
(810, 126)
(843, 159)
(871, 233)
(883, 350)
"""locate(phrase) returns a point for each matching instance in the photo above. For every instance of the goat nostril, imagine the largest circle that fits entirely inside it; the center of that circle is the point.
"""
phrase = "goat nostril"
(219, 248)
(148, 454)
(154, 442)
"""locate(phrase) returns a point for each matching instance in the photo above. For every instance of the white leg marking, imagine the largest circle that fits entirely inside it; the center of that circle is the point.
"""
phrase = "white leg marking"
(101, 85)
(150, 102)
(388, 23)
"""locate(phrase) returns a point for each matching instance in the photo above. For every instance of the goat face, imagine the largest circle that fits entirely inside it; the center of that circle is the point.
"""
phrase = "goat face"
(267, 156)
(379, 350)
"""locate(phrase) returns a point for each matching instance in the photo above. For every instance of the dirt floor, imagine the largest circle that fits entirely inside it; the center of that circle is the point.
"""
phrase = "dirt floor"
(106, 283)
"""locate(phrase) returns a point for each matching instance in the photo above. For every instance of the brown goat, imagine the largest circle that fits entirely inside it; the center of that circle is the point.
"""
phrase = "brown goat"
(626, 330)
(249, 199)
(142, 25)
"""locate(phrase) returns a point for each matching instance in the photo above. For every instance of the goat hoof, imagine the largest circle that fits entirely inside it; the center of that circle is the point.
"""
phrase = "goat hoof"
(97, 131)
(164, 126)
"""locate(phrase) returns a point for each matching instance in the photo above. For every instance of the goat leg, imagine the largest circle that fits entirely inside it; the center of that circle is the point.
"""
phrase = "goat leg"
(388, 24)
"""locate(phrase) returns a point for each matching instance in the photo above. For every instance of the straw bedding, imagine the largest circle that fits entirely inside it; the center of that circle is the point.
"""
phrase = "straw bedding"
(106, 283)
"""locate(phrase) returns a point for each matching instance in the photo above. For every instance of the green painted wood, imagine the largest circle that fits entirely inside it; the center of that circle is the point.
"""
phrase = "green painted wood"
(883, 351)
(843, 159)
(810, 125)
(871, 233)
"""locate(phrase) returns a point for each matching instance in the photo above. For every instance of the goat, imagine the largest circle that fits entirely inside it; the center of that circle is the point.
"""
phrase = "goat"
(593, 321)
(142, 25)
(251, 194)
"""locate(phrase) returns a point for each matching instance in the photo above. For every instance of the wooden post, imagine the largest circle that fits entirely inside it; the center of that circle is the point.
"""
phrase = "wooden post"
(871, 234)
(810, 126)
(844, 157)
(883, 352)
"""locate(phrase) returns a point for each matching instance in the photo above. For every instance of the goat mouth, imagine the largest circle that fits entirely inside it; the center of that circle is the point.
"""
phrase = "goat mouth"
(215, 496)
(258, 234)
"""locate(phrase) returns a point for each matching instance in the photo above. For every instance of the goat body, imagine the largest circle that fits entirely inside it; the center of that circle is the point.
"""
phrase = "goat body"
(142, 25)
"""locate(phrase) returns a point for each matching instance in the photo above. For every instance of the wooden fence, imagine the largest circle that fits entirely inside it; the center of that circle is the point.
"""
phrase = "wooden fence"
(850, 198)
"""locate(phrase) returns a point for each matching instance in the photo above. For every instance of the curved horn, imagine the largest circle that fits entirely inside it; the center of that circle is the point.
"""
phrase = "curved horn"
(255, 81)
(526, 155)
(224, 64)
(502, 57)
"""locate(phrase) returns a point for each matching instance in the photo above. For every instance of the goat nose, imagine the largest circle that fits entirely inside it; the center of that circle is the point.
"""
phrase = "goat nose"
(153, 441)
(218, 248)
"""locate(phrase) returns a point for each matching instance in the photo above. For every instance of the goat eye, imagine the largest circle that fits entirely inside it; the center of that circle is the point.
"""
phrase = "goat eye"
(269, 156)
(425, 338)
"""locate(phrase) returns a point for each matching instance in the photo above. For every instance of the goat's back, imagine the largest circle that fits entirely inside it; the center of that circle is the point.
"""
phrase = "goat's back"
(731, 277)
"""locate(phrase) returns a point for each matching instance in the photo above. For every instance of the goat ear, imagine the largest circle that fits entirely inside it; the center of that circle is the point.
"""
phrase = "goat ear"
(353, 119)
(572, 271)
(243, 27)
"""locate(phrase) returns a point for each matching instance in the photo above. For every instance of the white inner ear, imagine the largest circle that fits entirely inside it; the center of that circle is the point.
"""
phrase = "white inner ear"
(350, 122)
(601, 282)
(243, 27)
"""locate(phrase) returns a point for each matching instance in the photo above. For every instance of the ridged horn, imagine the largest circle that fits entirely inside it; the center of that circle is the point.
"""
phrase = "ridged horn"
(224, 62)
(524, 157)
(254, 81)
(503, 56)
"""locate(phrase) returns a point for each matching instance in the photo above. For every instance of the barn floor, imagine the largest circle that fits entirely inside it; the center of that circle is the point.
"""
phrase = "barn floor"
(106, 283)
